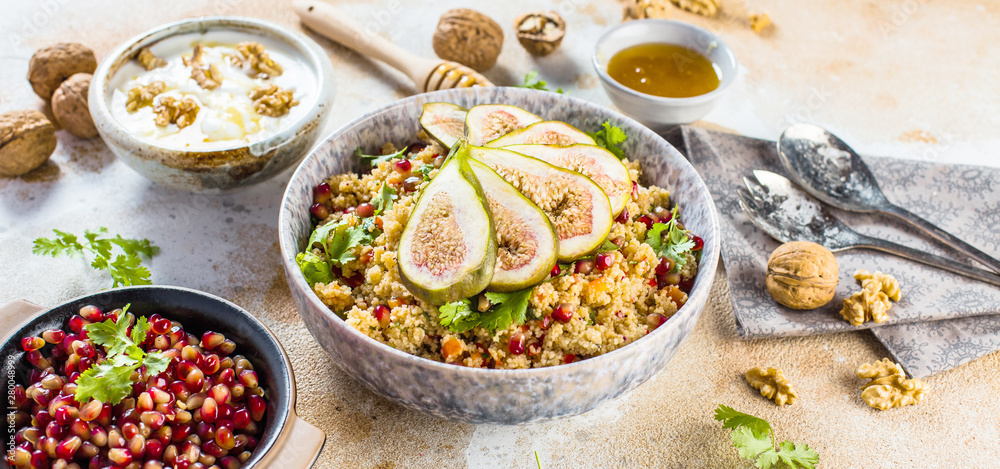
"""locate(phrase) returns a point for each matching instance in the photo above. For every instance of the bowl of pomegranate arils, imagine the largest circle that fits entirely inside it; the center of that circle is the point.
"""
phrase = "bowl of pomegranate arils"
(149, 377)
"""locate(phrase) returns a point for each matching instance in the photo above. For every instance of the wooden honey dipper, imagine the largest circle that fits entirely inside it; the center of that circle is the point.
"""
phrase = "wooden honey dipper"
(428, 74)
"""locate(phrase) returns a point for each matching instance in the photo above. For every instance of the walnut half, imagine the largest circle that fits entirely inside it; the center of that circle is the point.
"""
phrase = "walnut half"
(272, 101)
(772, 385)
(142, 96)
(148, 60)
(171, 111)
(259, 60)
(889, 386)
(872, 302)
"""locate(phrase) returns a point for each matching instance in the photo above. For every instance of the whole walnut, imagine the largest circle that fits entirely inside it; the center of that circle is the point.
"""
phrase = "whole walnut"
(69, 106)
(51, 66)
(469, 38)
(802, 275)
(27, 139)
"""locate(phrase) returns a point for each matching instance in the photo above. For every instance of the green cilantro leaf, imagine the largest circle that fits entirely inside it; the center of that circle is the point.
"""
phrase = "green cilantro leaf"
(608, 246)
(531, 81)
(314, 268)
(458, 316)
(610, 137)
(125, 269)
(425, 170)
(674, 245)
(507, 309)
(383, 201)
(105, 382)
(374, 160)
(754, 440)
(340, 246)
(156, 362)
(138, 335)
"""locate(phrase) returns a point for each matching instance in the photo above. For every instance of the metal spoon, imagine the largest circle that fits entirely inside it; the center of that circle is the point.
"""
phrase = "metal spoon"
(832, 172)
(787, 213)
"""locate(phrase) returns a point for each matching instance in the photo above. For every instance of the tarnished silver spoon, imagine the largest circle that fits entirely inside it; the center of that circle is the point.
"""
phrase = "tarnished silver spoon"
(832, 172)
(787, 213)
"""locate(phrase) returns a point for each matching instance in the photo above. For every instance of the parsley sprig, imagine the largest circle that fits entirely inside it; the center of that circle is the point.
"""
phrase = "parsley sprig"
(610, 137)
(374, 160)
(674, 245)
(506, 309)
(531, 81)
(125, 268)
(110, 380)
(754, 439)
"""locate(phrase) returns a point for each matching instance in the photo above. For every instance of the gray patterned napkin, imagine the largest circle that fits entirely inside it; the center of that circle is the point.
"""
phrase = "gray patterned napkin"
(942, 321)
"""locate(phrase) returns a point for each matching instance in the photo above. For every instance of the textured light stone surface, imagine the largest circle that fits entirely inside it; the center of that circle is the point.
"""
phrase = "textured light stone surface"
(883, 75)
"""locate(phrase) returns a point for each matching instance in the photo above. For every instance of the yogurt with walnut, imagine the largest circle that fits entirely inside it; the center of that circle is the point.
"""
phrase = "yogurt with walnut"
(212, 91)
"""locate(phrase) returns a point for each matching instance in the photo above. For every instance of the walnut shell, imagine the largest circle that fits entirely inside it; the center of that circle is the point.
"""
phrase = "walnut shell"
(27, 139)
(69, 106)
(469, 38)
(802, 275)
(50, 66)
(540, 32)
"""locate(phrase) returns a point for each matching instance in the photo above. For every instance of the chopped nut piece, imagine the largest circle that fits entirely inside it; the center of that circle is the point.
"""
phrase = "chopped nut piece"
(171, 111)
(759, 22)
(772, 385)
(872, 302)
(195, 56)
(272, 101)
(699, 7)
(148, 60)
(259, 60)
(208, 78)
(889, 386)
(142, 96)
(640, 9)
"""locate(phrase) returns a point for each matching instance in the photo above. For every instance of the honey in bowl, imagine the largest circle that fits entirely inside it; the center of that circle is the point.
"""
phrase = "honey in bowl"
(666, 70)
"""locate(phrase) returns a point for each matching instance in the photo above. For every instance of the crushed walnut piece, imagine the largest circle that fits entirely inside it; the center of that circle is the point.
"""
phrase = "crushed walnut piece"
(759, 22)
(889, 386)
(148, 60)
(142, 96)
(272, 101)
(259, 60)
(195, 58)
(641, 9)
(772, 385)
(872, 303)
(698, 7)
(208, 78)
(171, 111)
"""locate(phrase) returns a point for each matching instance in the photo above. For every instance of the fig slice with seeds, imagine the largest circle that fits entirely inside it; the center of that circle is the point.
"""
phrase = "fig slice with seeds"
(543, 133)
(489, 121)
(444, 121)
(527, 243)
(577, 207)
(448, 248)
(597, 163)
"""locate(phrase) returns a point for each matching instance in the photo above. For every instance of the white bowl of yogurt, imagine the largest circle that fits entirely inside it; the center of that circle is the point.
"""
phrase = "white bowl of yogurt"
(212, 104)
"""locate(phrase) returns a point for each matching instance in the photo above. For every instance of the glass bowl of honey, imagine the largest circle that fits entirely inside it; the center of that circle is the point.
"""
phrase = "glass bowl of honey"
(663, 73)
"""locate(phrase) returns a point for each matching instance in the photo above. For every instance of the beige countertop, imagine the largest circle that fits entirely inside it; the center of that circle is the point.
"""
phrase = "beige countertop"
(912, 78)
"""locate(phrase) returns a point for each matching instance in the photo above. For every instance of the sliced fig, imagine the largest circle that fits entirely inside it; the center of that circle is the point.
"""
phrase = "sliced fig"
(448, 248)
(489, 121)
(544, 133)
(597, 163)
(577, 207)
(444, 121)
(527, 242)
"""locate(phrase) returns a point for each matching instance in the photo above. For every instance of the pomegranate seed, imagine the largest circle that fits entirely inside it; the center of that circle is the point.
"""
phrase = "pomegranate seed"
(355, 280)
(665, 266)
(604, 261)
(54, 336)
(686, 285)
(39, 459)
(563, 312)
(635, 190)
(622, 216)
(160, 326)
(210, 364)
(654, 320)
(411, 183)
(76, 323)
(516, 344)
(546, 321)
(83, 349)
(67, 448)
(349, 210)
(698, 243)
(65, 415)
(402, 166)
(209, 410)
(87, 450)
(319, 211)
(322, 193)
(226, 411)
(381, 314)
(85, 363)
(154, 449)
(120, 456)
(248, 378)
(257, 407)
(365, 210)
(210, 340)
(224, 438)
(31, 344)
(229, 462)
(42, 397)
(569, 358)
(241, 418)
(54, 430)
(584, 266)
(182, 462)
(137, 446)
(663, 215)
(145, 402)
(555, 271)
(645, 220)
(52, 382)
(104, 418)
(220, 392)
(129, 430)
(226, 347)
(81, 429)
(195, 380)
(227, 377)
(91, 410)
(153, 419)
(664, 281)
(211, 448)
(99, 436)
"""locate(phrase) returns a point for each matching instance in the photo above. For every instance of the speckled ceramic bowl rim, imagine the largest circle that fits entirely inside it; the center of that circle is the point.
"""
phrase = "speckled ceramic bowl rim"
(113, 61)
(727, 80)
(703, 283)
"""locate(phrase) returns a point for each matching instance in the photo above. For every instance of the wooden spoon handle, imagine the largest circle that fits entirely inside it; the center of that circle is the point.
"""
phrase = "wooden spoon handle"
(331, 23)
